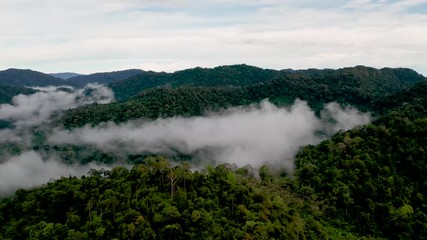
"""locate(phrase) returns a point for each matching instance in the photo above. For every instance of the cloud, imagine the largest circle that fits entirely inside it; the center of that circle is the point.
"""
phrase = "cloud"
(52, 88)
(88, 36)
(336, 118)
(9, 136)
(29, 170)
(34, 112)
(35, 109)
(250, 135)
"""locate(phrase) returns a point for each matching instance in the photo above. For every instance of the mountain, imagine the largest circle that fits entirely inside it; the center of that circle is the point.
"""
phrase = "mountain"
(8, 92)
(65, 75)
(370, 79)
(102, 78)
(234, 75)
(358, 86)
(20, 77)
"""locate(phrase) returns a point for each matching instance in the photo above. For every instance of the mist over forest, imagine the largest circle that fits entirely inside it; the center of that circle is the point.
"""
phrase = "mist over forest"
(252, 135)
(327, 154)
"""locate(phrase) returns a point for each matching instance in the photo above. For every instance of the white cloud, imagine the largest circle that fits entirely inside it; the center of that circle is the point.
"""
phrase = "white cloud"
(29, 170)
(96, 35)
(38, 108)
(252, 135)
(10, 136)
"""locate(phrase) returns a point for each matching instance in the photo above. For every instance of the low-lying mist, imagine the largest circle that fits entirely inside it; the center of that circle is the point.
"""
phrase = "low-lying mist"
(38, 108)
(255, 135)
(29, 112)
(29, 169)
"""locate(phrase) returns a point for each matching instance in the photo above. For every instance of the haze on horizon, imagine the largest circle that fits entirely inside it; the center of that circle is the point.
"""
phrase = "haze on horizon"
(98, 36)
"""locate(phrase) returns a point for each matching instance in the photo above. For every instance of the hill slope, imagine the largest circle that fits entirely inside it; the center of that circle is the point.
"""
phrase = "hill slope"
(358, 86)
(234, 75)
(21, 78)
(156, 201)
(8, 92)
(373, 177)
(102, 78)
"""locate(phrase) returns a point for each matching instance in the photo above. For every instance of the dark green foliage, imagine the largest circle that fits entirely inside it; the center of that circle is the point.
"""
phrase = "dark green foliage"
(374, 176)
(5, 124)
(158, 201)
(8, 92)
(358, 81)
(155, 103)
(410, 102)
(130, 87)
(358, 86)
(102, 78)
(224, 76)
(21, 78)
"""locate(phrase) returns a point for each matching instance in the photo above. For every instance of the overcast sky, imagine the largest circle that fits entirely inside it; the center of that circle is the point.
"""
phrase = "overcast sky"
(88, 36)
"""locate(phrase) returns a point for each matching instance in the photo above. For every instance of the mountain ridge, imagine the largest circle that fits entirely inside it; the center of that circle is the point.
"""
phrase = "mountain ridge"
(26, 77)
(358, 88)
(102, 77)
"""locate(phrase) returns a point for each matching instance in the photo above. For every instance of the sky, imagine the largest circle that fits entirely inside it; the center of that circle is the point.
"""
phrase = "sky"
(168, 35)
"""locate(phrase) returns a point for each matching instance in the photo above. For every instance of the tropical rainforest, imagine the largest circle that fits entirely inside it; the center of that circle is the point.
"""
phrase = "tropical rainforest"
(366, 182)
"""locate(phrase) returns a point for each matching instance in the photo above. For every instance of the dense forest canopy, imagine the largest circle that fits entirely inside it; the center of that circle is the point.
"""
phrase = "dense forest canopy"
(157, 201)
(374, 176)
(367, 182)
(361, 79)
(358, 86)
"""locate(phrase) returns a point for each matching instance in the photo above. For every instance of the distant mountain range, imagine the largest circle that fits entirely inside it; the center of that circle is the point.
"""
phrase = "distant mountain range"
(65, 75)
(23, 78)
(102, 78)
(129, 83)
(30, 78)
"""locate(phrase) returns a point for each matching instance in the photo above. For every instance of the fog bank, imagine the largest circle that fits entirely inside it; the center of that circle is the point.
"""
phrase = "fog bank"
(254, 135)
(29, 170)
(38, 108)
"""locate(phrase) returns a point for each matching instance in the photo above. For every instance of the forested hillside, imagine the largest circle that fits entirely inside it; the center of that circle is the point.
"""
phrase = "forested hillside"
(361, 79)
(157, 201)
(224, 76)
(8, 92)
(102, 78)
(22, 78)
(359, 86)
(374, 176)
